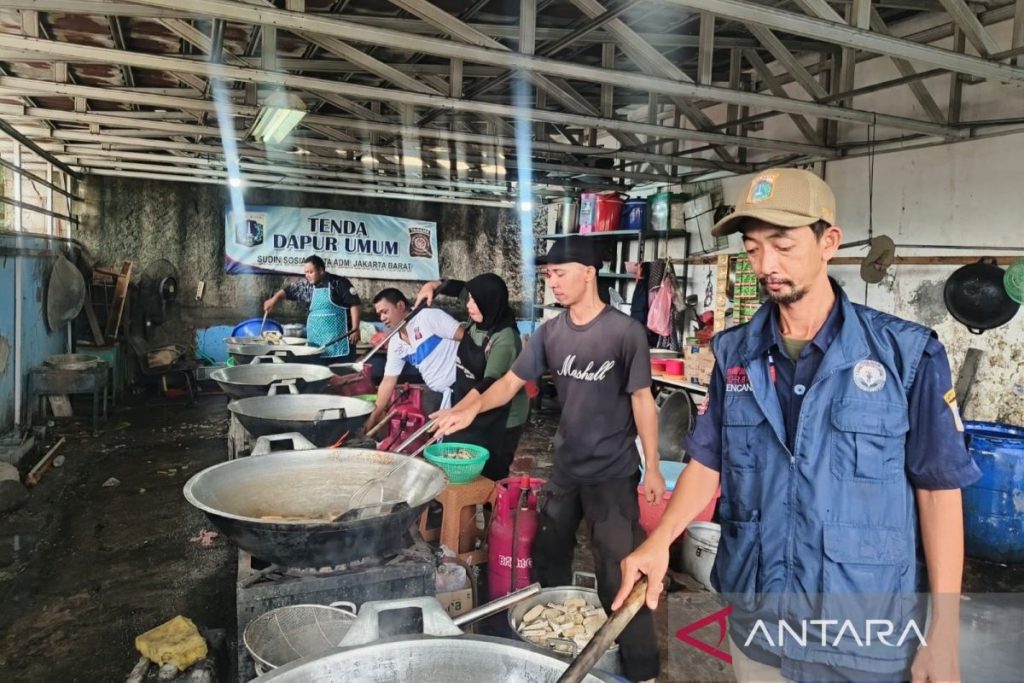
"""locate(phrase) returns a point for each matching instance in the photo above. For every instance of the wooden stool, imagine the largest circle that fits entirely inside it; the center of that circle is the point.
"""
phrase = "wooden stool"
(459, 530)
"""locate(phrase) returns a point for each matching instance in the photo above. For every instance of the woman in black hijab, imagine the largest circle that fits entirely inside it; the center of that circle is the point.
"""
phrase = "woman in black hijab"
(489, 346)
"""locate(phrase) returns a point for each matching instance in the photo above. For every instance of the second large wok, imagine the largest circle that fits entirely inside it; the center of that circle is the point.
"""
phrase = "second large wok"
(254, 379)
(279, 506)
(321, 418)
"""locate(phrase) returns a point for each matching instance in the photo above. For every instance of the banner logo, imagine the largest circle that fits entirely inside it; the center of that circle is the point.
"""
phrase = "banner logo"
(419, 243)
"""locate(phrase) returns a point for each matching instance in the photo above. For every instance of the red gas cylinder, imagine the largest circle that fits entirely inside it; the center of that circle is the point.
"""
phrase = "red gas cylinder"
(510, 539)
(406, 410)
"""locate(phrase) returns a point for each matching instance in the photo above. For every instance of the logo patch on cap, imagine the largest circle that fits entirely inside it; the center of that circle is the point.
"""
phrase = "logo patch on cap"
(762, 188)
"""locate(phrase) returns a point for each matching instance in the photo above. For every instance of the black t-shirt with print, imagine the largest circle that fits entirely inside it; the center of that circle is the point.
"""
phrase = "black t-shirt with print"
(595, 368)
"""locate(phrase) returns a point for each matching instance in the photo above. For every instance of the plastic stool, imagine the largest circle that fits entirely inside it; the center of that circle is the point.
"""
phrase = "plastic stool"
(458, 529)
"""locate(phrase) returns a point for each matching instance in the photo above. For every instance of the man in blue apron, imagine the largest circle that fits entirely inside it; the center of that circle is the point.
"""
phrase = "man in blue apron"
(333, 308)
(834, 433)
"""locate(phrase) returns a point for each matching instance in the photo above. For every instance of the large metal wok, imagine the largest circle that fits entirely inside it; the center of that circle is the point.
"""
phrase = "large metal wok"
(279, 505)
(292, 353)
(254, 379)
(439, 653)
(321, 418)
(289, 341)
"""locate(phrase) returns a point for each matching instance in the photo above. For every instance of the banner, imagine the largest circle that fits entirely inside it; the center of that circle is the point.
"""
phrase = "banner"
(276, 239)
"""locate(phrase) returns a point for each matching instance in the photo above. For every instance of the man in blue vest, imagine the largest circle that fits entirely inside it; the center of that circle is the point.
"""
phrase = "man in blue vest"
(834, 433)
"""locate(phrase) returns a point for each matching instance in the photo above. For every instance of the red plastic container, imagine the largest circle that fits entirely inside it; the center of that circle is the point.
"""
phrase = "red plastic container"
(504, 551)
(651, 514)
(608, 212)
(407, 403)
(657, 366)
(674, 366)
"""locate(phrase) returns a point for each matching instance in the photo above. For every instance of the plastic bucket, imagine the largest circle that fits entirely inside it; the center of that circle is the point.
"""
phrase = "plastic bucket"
(994, 505)
(700, 546)
(674, 367)
(658, 366)
(651, 514)
(607, 212)
(251, 327)
(634, 214)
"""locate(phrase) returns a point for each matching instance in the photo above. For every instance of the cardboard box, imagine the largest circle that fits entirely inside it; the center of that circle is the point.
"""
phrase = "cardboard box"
(456, 602)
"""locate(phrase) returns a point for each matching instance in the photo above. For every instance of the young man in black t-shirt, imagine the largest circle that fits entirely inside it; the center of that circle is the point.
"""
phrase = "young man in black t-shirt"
(600, 364)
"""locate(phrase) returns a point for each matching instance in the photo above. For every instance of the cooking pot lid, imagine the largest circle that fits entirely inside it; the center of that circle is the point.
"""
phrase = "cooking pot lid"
(879, 258)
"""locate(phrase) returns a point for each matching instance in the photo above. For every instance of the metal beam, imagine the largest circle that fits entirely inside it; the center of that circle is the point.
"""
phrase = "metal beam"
(14, 168)
(972, 28)
(278, 183)
(765, 74)
(650, 61)
(1017, 39)
(788, 61)
(448, 49)
(907, 70)
(956, 84)
(706, 53)
(121, 43)
(847, 36)
(106, 55)
(368, 64)
(12, 133)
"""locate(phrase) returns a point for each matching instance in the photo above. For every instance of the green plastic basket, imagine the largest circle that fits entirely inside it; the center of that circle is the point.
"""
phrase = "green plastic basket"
(1013, 281)
(369, 398)
(458, 471)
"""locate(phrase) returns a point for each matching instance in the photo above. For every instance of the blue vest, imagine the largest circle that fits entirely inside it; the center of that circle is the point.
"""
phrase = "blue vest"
(829, 530)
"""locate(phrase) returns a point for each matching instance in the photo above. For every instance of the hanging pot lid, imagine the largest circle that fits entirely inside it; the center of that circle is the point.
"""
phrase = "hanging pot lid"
(65, 293)
(879, 258)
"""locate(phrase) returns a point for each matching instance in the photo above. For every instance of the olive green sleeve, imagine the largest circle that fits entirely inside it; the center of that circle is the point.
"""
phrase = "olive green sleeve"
(502, 354)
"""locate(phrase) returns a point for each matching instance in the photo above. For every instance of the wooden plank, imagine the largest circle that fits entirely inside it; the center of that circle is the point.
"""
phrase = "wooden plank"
(94, 324)
(60, 405)
(965, 378)
(120, 296)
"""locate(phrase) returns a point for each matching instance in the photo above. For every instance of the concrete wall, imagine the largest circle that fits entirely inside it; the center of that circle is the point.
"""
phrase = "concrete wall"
(962, 195)
(143, 221)
(35, 340)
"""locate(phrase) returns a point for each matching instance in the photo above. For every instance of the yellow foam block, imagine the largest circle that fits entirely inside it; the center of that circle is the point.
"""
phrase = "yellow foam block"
(175, 642)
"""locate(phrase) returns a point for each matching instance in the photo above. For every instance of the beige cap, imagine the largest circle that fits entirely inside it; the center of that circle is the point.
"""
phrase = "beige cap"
(786, 197)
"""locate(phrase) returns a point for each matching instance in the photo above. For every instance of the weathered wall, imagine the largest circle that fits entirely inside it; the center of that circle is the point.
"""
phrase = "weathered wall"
(962, 195)
(35, 340)
(142, 221)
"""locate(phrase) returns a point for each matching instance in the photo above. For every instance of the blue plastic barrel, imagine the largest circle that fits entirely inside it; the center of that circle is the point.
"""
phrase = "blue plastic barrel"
(634, 214)
(994, 506)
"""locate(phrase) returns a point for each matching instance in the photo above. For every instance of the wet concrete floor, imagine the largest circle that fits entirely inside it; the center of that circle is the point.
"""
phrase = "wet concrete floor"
(85, 568)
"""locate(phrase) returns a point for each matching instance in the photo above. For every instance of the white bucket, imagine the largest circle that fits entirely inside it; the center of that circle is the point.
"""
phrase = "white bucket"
(700, 545)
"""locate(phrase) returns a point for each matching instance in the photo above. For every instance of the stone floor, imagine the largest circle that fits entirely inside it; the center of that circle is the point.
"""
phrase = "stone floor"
(84, 567)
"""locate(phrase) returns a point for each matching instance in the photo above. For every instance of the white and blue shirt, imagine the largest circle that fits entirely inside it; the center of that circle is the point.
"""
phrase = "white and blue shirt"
(431, 348)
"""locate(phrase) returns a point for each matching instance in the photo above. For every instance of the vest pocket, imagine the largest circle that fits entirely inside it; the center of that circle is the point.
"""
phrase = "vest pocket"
(742, 437)
(738, 563)
(868, 439)
(861, 596)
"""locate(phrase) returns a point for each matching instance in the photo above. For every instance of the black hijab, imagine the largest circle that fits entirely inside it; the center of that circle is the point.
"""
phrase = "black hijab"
(491, 296)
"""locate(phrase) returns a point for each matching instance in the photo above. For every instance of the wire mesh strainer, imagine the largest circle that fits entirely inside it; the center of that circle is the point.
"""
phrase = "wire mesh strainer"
(285, 634)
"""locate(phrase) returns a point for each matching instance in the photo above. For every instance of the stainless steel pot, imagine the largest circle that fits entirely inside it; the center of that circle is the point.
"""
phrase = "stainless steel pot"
(439, 653)
(321, 418)
(609, 661)
(279, 505)
(254, 379)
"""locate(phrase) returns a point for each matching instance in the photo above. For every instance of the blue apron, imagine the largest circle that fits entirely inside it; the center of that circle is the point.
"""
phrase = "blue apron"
(326, 321)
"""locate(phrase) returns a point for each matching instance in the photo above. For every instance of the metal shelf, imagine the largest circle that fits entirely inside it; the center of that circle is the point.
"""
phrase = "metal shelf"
(615, 276)
(620, 234)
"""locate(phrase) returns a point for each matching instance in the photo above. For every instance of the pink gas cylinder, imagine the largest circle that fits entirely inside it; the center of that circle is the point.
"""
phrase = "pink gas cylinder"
(510, 538)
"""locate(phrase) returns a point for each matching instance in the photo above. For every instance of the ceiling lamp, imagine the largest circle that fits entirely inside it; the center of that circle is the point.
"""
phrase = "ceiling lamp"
(280, 113)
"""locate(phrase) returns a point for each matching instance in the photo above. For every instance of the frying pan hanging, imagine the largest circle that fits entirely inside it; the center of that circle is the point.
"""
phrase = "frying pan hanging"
(976, 297)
